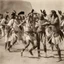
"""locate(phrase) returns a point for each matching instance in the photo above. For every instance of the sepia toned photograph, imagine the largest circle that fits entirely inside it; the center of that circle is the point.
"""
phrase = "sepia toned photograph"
(31, 31)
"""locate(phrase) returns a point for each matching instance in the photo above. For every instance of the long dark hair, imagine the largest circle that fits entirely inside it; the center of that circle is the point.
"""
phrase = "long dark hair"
(13, 15)
(54, 14)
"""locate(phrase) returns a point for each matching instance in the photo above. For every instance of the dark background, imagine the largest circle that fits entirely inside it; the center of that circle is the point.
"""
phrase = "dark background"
(15, 5)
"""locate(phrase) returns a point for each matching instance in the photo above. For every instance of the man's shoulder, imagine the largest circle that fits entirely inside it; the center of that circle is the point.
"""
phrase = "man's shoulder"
(3, 19)
(11, 19)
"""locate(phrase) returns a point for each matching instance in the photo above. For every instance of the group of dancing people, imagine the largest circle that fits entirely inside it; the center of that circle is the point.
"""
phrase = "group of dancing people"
(33, 28)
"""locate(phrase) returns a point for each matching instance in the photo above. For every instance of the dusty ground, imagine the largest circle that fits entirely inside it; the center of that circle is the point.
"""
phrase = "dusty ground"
(15, 56)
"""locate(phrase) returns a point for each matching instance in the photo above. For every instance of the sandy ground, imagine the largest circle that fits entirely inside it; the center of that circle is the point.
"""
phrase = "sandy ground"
(14, 57)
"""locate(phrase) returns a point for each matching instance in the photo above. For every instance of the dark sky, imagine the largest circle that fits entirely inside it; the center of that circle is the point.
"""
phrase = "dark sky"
(36, 4)
(7, 5)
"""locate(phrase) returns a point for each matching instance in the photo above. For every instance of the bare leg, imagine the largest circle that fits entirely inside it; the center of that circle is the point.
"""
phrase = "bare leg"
(44, 41)
(38, 43)
(25, 48)
(59, 52)
(10, 46)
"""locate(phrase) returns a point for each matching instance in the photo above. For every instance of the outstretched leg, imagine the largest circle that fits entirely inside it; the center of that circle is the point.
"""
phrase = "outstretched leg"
(10, 45)
(57, 43)
(34, 46)
(59, 52)
(25, 48)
